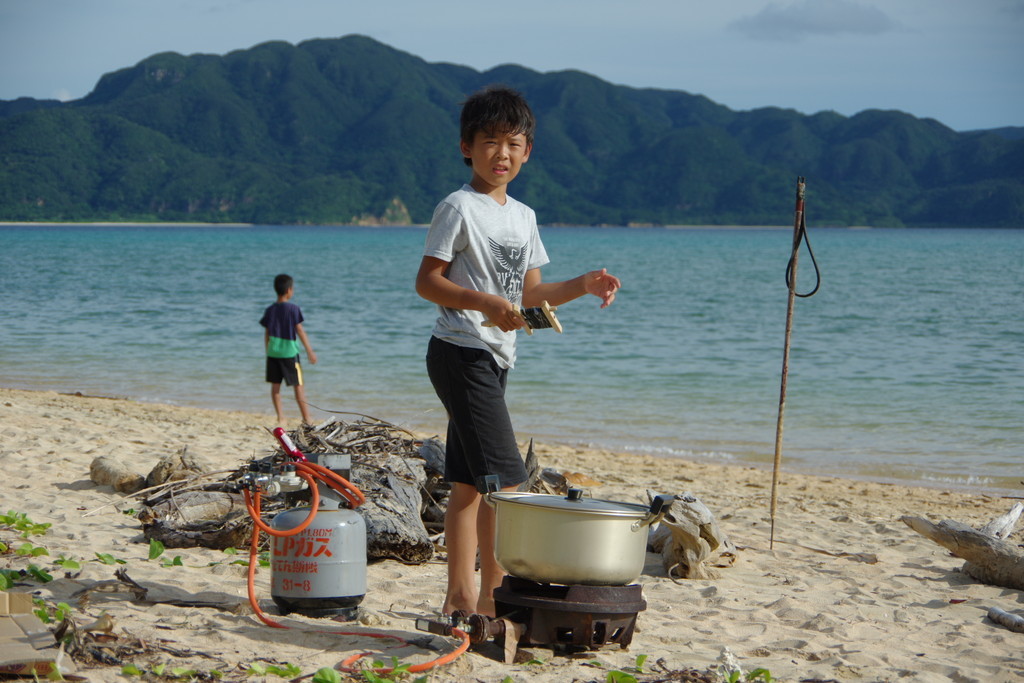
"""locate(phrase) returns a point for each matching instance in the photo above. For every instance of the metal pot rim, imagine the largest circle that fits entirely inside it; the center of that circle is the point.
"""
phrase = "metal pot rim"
(592, 506)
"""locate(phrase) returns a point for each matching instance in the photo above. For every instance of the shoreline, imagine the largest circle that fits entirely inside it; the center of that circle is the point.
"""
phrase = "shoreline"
(847, 591)
(1007, 492)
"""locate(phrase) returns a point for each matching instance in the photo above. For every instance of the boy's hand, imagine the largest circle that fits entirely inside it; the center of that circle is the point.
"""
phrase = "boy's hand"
(503, 314)
(602, 284)
(312, 356)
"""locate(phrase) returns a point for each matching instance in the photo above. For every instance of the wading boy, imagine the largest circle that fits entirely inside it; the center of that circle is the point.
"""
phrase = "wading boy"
(481, 263)
(283, 330)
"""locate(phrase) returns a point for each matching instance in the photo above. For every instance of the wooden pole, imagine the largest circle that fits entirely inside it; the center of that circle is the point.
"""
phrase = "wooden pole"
(791, 281)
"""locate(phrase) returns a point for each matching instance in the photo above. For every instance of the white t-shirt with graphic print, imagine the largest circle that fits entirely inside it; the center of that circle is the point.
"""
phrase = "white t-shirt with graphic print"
(490, 247)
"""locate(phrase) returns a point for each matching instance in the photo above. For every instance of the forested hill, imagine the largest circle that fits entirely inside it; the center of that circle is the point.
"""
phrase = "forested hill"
(350, 130)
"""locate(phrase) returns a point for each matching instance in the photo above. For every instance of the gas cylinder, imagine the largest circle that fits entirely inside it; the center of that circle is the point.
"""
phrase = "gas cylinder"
(320, 571)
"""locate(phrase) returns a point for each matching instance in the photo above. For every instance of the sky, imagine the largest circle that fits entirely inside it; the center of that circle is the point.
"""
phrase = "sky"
(960, 62)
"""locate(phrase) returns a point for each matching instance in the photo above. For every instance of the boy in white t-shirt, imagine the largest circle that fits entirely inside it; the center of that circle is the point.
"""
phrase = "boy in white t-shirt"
(481, 263)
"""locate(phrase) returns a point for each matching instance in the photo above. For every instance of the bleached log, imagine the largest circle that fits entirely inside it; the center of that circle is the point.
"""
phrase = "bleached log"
(532, 468)
(432, 452)
(108, 471)
(1014, 622)
(188, 519)
(988, 559)
(1003, 526)
(394, 528)
(181, 465)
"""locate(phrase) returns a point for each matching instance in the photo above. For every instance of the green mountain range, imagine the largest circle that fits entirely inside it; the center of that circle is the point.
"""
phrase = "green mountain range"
(349, 130)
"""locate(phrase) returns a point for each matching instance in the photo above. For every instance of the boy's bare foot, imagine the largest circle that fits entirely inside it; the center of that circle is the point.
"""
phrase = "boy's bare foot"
(485, 606)
(467, 604)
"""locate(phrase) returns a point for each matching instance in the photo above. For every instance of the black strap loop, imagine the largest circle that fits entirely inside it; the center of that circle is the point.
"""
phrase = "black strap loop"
(799, 236)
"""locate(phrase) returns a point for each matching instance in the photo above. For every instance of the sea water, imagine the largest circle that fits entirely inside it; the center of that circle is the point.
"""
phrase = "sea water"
(906, 365)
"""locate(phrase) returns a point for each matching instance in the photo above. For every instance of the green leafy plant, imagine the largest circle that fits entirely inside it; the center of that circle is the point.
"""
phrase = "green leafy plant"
(398, 672)
(20, 522)
(39, 574)
(8, 577)
(282, 671)
(156, 548)
(326, 675)
(67, 563)
(160, 670)
(49, 615)
(759, 673)
(107, 558)
(30, 550)
(616, 676)
(234, 551)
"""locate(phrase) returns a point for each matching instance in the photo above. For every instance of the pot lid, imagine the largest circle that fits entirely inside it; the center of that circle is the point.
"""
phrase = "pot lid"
(574, 502)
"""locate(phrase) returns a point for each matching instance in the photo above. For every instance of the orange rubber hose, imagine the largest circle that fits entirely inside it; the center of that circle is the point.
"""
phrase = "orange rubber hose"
(337, 482)
(347, 667)
(353, 494)
(258, 521)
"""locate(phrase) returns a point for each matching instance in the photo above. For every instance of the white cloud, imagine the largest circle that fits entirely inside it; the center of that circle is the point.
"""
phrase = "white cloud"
(62, 94)
(798, 20)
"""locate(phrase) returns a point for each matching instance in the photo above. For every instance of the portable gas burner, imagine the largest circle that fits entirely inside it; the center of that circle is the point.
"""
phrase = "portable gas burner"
(572, 564)
(561, 617)
(570, 617)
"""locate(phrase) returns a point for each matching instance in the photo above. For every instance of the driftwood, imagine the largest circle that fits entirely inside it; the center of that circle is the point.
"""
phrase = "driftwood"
(108, 471)
(1014, 622)
(1003, 526)
(394, 527)
(177, 467)
(400, 475)
(436, 490)
(397, 472)
(989, 558)
(212, 519)
(158, 593)
(690, 541)
(402, 478)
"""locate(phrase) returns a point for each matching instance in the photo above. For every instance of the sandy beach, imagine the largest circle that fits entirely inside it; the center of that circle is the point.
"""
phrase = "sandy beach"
(849, 592)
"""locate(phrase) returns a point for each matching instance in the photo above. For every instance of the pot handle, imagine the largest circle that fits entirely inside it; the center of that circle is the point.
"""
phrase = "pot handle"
(493, 484)
(659, 506)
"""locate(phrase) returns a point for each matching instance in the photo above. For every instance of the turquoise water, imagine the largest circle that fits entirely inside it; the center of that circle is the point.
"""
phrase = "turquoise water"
(907, 365)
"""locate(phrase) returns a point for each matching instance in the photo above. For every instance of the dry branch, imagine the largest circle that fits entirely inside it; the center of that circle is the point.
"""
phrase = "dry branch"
(988, 559)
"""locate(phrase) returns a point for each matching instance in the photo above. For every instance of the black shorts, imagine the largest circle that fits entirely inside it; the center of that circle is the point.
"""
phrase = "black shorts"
(481, 442)
(286, 370)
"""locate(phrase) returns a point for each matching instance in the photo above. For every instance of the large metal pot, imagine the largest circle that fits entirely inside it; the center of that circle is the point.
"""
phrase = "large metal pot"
(572, 539)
